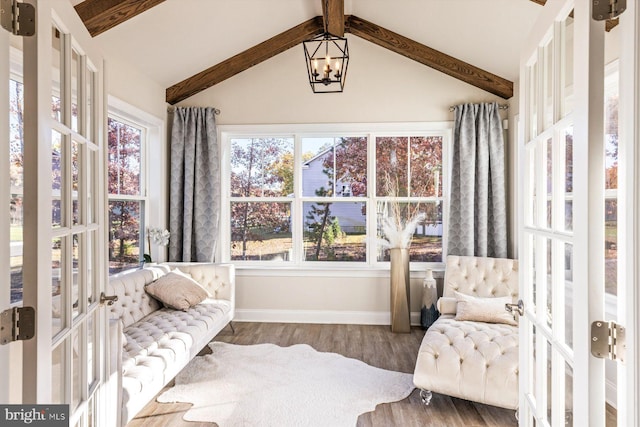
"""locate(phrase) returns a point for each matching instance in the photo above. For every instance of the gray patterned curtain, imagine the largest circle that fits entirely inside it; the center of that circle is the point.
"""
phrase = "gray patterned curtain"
(478, 211)
(194, 200)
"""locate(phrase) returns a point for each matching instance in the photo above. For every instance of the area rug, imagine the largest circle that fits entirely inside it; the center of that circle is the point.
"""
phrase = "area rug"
(268, 385)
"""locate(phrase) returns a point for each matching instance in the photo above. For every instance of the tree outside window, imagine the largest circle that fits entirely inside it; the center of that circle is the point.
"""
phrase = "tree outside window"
(126, 194)
(261, 184)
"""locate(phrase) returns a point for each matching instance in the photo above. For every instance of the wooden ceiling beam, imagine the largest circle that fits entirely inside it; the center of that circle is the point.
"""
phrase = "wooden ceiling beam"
(244, 60)
(609, 25)
(334, 16)
(429, 57)
(101, 15)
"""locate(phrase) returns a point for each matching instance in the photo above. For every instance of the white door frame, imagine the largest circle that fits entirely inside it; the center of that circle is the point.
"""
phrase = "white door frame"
(37, 202)
(629, 212)
(589, 201)
(5, 270)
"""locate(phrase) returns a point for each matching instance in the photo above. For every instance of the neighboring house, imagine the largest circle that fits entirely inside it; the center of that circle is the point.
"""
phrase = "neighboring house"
(351, 215)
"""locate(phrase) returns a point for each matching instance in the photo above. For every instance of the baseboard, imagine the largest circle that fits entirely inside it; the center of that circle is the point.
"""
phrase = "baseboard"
(319, 316)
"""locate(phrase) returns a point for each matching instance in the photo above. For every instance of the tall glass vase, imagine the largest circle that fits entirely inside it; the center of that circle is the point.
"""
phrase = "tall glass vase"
(400, 314)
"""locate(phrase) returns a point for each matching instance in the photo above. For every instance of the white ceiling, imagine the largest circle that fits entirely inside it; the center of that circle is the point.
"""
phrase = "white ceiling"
(180, 38)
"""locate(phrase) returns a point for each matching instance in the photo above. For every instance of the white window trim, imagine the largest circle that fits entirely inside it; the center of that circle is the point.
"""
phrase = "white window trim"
(154, 179)
(372, 267)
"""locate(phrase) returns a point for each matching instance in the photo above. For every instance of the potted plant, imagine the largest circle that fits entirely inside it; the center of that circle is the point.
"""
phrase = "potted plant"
(159, 237)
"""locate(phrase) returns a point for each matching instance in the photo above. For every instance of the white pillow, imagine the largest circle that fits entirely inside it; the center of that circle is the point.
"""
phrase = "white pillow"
(447, 305)
(177, 290)
(489, 310)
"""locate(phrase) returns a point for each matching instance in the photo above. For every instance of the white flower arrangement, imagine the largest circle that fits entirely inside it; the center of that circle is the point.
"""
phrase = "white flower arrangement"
(398, 227)
(159, 237)
(398, 232)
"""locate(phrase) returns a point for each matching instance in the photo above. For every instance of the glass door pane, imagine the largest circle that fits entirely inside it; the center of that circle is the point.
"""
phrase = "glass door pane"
(566, 71)
(568, 178)
(611, 141)
(58, 289)
(16, 168)
(75, 90)
(12, 115)
(547, 54)
(57, 69)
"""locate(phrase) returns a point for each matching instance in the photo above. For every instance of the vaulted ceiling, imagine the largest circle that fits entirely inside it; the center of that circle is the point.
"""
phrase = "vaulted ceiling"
(189, 45)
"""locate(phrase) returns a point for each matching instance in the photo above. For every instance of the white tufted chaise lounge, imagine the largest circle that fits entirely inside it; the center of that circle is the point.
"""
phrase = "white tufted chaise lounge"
(155, 343)
(472, 360)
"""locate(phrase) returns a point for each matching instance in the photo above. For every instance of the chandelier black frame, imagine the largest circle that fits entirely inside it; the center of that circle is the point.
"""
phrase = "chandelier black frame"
(327, 58)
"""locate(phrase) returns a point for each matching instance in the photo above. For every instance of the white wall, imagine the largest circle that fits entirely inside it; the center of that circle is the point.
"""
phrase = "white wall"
(381, 86)
(127, 84)
(134, 96)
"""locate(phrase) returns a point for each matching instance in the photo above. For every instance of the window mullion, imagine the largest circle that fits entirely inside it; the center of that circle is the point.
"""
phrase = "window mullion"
(372, 220)
(297, 222)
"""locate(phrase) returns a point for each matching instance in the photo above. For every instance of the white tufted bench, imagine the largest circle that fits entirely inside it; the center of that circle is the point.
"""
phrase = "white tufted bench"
(155, 343)
(467, 359)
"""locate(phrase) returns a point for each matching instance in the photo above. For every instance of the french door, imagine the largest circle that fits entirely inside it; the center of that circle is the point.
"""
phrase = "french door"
(566, 215)
(5, 275)
(55, 235)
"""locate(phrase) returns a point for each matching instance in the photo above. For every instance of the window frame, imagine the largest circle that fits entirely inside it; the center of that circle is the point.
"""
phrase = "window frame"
(299, 131)
(152, 180)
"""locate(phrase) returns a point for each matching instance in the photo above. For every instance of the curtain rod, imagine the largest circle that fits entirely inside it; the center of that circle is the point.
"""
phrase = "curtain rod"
(500, 107)
(172, 109)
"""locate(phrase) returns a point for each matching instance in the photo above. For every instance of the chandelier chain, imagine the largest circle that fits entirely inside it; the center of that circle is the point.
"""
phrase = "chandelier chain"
(325, 16)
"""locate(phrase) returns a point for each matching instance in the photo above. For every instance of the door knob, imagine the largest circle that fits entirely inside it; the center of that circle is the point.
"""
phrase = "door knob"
(108, 299)
(512, 308)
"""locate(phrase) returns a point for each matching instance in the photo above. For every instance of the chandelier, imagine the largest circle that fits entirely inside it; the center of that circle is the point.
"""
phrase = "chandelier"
(327, 58)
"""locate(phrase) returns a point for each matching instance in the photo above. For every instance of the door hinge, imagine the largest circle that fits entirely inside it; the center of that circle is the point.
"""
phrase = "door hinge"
(602, 10)
(18, 18)
(608, 341)
(17, 323)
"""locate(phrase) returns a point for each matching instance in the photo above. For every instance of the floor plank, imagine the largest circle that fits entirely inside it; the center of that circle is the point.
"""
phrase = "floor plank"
(375, 345)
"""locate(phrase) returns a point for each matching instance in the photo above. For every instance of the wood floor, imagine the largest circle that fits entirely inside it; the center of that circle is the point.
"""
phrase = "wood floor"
(375, 345)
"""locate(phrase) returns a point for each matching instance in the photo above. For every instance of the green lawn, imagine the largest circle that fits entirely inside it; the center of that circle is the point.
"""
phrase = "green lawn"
(15, 233)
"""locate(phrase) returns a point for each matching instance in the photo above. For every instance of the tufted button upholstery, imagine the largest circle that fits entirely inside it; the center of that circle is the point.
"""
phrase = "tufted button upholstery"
(473, 360)
(482, 277)
(156, 343)
(133, 302)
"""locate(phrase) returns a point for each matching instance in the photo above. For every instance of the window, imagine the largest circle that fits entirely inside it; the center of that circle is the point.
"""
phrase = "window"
(409, 169)
(309, 197)
(127, 193)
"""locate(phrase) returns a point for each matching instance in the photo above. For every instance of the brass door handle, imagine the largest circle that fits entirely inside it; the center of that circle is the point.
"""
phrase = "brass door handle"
(108, 299)
(519, 308)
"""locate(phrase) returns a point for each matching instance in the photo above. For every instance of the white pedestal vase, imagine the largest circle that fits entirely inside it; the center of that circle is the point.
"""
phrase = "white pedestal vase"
(429, 312)
(400, 314)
